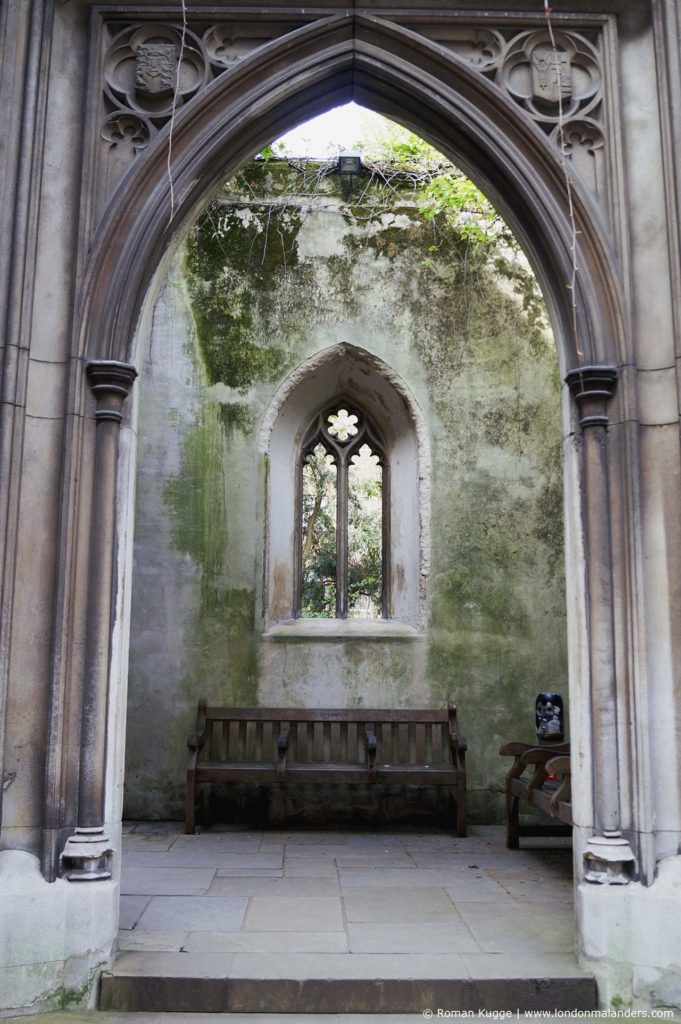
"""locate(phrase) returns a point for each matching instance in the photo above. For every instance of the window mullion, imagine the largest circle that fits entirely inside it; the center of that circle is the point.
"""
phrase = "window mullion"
(342, 537)
(386, 608)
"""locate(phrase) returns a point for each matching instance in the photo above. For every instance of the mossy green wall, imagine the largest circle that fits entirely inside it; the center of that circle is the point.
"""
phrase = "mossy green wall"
(265, 282)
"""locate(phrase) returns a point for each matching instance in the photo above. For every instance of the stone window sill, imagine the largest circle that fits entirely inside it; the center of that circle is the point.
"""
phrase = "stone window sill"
(342, 629)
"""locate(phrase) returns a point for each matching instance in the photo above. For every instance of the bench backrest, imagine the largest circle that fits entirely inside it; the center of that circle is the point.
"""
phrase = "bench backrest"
(330, 736)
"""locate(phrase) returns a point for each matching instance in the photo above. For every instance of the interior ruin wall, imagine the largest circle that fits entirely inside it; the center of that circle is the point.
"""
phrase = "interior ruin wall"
(258, 288)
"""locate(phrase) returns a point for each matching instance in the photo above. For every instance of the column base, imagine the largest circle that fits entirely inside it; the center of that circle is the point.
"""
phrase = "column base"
(609, 860)
(87, 856)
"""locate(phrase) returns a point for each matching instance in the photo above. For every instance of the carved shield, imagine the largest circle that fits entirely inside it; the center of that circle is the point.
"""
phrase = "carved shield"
(155, 69)
(551, 76)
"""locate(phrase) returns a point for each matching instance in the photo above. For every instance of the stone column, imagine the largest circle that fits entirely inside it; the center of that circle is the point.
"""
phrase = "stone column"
(87, 852)
(608, 857)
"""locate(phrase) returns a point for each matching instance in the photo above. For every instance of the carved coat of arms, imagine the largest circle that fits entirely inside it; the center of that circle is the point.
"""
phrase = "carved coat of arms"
(155, 69)
(551, 76)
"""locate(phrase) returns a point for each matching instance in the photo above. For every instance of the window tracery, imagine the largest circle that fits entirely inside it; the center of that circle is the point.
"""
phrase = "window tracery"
(343, 528)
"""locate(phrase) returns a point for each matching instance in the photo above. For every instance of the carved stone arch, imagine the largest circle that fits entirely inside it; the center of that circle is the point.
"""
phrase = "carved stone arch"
(396, 72)
(427, 87)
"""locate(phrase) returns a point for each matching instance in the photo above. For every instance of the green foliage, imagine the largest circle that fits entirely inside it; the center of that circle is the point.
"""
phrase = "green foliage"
(225, 306)
(365, 546)
(391, 143)
(444, 194)
(365, 541)
(318, 599)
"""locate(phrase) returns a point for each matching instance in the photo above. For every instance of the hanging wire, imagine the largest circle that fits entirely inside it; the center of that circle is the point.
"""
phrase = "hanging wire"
(174, 107)
(568, 180)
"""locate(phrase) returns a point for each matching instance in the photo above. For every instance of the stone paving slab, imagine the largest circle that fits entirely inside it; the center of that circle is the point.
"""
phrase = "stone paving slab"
(513, 928)
(339, 966)
(131, 909)
(286, 914)
(377, 859)
(149, 880)
(529, 891)
(182, 913)
(159, 828)
(522, 965)
(196, 857)
(173, 965)
(234, 839)
(419, 878)
(310, 867)
(266, 942)
(147, 843)
(308, 886)
(317, 850)
(148, 941)
(396, 905)
(416, 937)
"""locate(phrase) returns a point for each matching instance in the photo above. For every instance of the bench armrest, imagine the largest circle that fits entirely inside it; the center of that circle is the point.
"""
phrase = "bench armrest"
(525, 755)
(458, 745)
(514, 749)
(371, 748)
(539, 757)
(282, 750)
(196, 740)
(560, 766)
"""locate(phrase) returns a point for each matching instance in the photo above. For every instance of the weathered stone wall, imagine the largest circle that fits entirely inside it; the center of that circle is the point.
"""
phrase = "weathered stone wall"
(260, 287)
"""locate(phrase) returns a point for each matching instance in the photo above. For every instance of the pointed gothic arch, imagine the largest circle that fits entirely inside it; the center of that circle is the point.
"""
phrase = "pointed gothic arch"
(407, 77)
(403, 75)
(396, 72)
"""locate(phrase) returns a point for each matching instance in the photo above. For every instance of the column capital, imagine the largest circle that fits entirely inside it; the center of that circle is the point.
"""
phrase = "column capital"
(110, 381)
(592, 387)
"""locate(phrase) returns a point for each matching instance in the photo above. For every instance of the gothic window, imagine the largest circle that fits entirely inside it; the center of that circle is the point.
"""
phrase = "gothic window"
(343, 516)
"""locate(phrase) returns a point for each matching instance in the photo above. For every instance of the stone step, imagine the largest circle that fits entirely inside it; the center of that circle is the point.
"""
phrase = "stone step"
(182, 982)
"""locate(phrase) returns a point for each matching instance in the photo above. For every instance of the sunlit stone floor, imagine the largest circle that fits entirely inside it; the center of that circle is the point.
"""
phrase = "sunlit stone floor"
(345, 904)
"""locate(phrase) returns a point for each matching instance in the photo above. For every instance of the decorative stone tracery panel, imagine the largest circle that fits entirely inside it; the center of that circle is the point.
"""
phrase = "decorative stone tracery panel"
(154, 68)
(150, 67)
(555, 74)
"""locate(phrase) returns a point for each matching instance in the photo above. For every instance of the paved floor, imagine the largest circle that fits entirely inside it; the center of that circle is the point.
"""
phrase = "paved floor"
(339, 904)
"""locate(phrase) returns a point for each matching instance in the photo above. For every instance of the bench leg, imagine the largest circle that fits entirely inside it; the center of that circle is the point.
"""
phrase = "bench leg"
(512, 822)
(190, 808)
(458, 797)
(204, 804)
(461, 813)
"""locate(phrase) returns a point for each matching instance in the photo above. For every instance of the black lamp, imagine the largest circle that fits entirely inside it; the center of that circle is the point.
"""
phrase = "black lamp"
(349, 163)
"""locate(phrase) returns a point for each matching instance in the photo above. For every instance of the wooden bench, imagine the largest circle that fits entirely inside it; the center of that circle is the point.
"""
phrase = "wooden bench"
(551, 797)
(357, 746)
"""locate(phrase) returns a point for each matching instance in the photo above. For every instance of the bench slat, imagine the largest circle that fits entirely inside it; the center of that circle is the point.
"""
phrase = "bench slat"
(420, 743)
(436, 744)
(335, 745)
(403, 743)
(327, 714)
(249, 744)
(353, 754)
(268, 747)
(318, 742)
(300, 754)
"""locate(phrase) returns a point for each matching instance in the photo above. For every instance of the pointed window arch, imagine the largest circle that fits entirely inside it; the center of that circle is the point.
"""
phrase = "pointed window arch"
(343, 520)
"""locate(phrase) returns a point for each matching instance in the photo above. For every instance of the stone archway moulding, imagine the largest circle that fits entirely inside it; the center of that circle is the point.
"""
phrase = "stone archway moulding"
(397, 72)
(403, 74)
